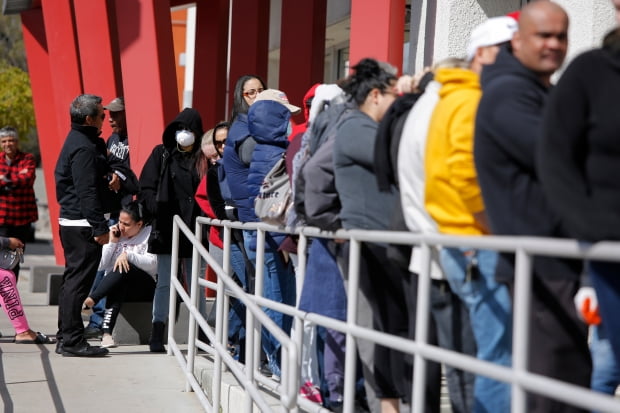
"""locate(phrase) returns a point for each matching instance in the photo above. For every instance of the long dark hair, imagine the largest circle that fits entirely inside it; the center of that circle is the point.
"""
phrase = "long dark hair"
(239, 103)
(137, 211)
(368, 74)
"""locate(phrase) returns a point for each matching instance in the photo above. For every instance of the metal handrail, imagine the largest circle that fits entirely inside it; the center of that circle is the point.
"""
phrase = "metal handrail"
(517, 375)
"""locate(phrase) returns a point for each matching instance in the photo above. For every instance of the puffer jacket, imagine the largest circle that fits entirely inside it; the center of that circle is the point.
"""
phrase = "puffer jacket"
(268, 124)
(237, 170)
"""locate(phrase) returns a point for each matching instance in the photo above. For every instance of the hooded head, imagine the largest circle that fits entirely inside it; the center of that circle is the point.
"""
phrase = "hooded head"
(188, 121)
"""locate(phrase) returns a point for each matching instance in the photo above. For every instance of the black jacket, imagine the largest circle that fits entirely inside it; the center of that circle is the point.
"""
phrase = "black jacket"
(508, 130)
(579, 157)
(168, 183)
(81, 182)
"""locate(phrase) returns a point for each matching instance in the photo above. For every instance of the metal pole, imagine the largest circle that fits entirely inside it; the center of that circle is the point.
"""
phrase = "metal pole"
(421, 329)
(174, 265)
(520, 329)
(351, 348)
(193, 295)
(219, 316)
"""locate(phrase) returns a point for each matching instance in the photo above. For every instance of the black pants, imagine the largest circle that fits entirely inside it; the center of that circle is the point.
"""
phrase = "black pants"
(82, 256)
(116, 286)
(558, 344)
(392, 292)
(21, 232)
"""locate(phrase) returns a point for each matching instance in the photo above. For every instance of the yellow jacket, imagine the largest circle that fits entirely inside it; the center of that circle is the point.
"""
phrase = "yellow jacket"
(452, 193)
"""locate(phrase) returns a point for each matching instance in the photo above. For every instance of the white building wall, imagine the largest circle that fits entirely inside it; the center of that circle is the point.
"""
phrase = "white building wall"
(590, 20)
(457, 18)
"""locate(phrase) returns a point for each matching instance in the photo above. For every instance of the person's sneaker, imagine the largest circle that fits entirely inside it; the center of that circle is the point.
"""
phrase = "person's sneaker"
(107, 341)
(265, 370)
(83, 349)
(92, 333)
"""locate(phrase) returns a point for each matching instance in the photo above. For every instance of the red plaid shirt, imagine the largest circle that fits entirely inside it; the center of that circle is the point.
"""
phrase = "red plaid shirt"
(18, 205)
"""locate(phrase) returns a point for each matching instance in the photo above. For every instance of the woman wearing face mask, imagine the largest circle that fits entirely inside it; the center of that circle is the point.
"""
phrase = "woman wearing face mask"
(168, 183)
(128, 266)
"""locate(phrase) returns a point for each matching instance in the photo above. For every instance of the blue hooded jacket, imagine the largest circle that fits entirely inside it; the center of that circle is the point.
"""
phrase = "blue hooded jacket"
(268, 124)
(236, 170)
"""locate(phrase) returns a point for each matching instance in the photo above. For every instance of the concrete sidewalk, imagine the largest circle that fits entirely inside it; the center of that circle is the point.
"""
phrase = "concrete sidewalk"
(35, 378)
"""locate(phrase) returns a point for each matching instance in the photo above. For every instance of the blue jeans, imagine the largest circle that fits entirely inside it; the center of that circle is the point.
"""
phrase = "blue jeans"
(96, 318)
(605, 278)
(490, 314)
(279, 286)
(161, 299)
(236, 315)
(605, 369)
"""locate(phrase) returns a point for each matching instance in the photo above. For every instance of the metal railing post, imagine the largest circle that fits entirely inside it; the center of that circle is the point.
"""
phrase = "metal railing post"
(351, 347)
(193, 294)
(521, 330)
(174, 266)
(421, 329)
(298, 337)
(219, 316)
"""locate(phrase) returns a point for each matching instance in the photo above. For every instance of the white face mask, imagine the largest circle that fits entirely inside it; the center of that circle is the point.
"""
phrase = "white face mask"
(289, 129)
(185, 138)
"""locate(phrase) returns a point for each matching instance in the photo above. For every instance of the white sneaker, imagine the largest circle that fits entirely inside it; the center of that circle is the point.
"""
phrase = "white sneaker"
(107, 341)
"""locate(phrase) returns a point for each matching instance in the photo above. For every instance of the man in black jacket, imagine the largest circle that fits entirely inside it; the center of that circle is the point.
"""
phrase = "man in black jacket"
(579, 168)
(81, 187)
(508, 128)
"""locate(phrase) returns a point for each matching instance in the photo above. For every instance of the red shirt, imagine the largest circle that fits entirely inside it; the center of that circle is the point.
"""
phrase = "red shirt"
(18, 205)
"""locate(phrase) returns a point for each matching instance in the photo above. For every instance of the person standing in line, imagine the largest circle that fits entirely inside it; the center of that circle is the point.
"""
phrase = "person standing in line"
(578, 163)
(508, 132)
(81, 176)
(118, 151)
(454, 200)
(450, 314)
(371, 90)
(18, 205)
(168, 183)
(269, 126)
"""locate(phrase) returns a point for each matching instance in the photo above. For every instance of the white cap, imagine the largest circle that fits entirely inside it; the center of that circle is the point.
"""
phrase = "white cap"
(494, 31)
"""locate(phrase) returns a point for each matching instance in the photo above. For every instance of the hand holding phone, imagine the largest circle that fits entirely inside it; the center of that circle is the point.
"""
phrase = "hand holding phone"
(116, 231)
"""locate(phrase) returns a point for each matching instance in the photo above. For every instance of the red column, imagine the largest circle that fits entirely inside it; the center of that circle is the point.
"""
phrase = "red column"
(210, 60)
(302, 47)
(99, 76)
(55, 75)
(250, 40)
(50, 140)
(147, 65)
(377, 31)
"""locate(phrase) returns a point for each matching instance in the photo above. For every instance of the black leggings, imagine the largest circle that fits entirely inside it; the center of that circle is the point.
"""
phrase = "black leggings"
(136, 283)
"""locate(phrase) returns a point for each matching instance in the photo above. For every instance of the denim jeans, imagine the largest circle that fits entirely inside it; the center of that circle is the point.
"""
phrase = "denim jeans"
(236, 315)
(490, 314)
(161, 299)
(96, 318)
(279, 286)
(605, 278)
(605, 368)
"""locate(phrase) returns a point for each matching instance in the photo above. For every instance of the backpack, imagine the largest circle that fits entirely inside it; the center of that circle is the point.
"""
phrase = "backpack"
(273, 201)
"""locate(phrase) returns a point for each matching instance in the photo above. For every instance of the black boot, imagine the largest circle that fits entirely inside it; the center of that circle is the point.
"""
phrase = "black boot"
(156, 342)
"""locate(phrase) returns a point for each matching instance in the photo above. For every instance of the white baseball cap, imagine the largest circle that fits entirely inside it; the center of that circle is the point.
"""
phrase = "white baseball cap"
(495, 30)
